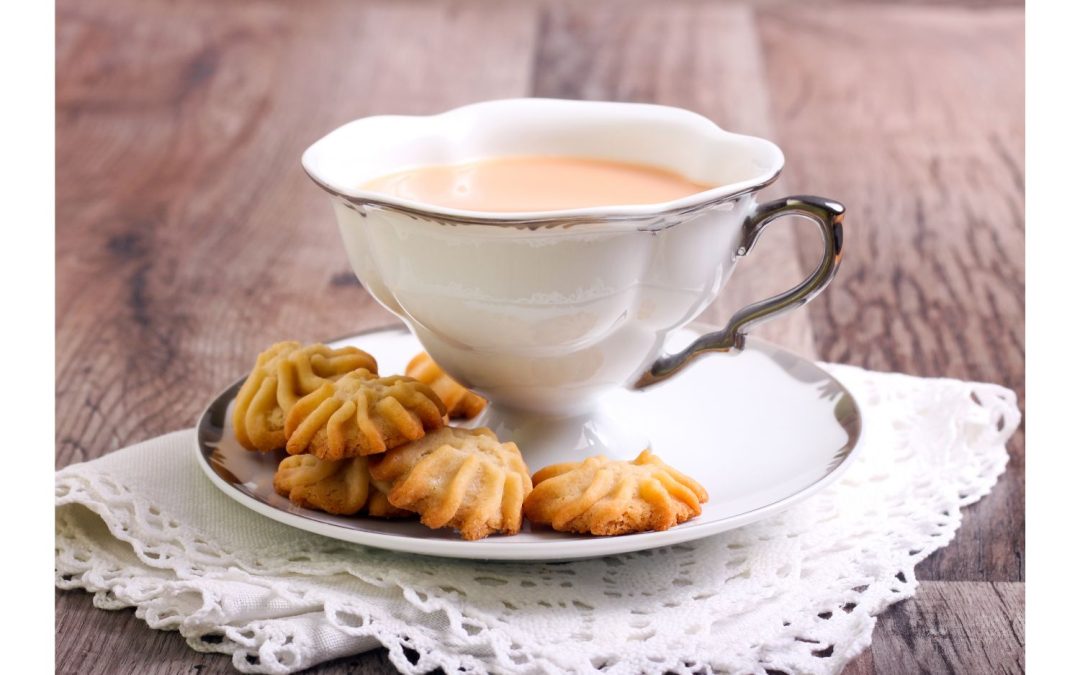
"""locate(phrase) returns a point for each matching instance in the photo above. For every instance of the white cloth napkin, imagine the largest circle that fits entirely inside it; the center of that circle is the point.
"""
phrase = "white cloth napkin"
(798, 593)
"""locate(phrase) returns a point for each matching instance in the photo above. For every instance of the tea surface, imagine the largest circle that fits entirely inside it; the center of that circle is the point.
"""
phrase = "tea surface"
(528, 183)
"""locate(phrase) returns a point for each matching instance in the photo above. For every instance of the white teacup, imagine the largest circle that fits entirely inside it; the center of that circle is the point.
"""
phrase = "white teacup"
(545, 312)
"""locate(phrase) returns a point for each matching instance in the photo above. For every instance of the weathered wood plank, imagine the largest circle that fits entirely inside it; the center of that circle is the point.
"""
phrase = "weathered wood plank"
(704, 57)
(863, 664)
(188, 236)
(915, 119)
(90, 641)
(953, 627)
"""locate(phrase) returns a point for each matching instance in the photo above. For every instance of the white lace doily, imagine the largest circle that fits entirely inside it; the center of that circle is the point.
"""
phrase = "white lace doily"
(143, 528)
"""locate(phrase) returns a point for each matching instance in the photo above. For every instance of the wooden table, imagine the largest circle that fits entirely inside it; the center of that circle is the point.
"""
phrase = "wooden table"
(189, 238)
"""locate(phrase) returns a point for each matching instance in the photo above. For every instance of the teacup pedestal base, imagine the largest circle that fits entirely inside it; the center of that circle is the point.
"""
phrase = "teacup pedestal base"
(545, 440)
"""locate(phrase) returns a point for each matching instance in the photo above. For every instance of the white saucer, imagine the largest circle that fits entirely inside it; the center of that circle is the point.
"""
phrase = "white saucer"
(761, 431)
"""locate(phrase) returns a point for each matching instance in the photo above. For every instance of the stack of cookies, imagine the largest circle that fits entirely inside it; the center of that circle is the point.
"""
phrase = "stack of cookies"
(359, 443)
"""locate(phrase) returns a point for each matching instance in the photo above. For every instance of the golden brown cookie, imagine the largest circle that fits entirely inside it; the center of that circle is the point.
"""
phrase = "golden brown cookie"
(341, 487)
(461, 478)
(380, 507)
(362, 415)
(282, 375)
(461, 403)
(608, 497)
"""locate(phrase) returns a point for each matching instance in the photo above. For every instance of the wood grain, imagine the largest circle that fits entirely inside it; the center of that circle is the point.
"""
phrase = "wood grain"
(932, 632)
(934, 635)
(188, 236)
(931, 168)
(121, 643)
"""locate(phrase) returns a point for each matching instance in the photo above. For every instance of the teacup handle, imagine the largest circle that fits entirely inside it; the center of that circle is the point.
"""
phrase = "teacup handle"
(829, 216)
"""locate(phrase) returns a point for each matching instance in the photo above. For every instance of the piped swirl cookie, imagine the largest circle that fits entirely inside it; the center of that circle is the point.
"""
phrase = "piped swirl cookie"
(342, 487)
(460, 478)
(360, 414)
(607, 497)
(282, 375)
(461, 403)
